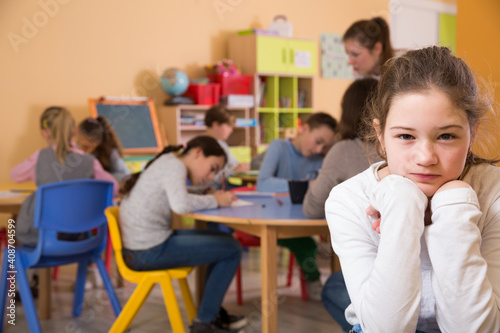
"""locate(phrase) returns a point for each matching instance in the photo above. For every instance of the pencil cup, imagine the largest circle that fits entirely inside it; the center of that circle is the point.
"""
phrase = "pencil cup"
(298, 189)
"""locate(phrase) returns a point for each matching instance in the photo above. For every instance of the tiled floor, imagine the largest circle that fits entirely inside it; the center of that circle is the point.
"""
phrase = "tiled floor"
(295, 315)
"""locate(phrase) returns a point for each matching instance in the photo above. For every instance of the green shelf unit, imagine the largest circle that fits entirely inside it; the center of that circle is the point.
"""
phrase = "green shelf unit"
(271, 87)
(287, 98)
(268, 126)
(287, 92)
(268, 110)
(284, 71)
(288, 120)
(242, 153)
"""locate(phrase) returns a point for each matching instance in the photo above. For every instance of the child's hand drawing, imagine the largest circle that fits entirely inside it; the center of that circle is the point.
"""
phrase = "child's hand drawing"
(225, 199)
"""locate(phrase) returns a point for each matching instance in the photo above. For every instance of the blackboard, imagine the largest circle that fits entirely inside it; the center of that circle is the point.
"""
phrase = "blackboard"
(134, 121)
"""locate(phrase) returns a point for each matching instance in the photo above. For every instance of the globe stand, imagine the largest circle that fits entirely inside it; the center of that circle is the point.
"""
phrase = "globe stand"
(179, 100)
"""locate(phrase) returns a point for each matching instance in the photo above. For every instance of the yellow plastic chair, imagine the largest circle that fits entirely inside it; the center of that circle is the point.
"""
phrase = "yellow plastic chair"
(145, 281)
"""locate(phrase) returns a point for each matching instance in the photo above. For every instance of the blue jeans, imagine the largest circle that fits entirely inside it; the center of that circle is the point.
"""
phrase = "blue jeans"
(220, 251)
(336, 299)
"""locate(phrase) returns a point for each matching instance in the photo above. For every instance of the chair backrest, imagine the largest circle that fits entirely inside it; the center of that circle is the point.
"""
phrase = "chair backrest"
(113, 215)
(75, 207)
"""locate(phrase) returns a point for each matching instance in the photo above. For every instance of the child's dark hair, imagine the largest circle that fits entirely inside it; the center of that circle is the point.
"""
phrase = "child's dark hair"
(59, 122)
(100, 132)
(353, 106)
(368, 32)
(209, 147)
(219, 114)
(319, 119)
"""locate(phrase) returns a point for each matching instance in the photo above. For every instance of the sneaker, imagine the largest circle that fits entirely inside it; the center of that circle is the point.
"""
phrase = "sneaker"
(199, 327)
(232, 322)
(314, 290)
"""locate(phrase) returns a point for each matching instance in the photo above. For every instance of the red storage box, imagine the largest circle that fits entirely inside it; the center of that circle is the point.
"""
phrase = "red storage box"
(205, 94)
(235, 84)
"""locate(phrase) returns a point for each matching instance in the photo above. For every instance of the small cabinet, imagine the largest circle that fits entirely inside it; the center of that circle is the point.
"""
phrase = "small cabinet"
(267, 54)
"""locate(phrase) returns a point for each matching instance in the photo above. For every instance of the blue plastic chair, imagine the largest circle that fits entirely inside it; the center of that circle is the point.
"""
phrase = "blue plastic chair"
(75, 206)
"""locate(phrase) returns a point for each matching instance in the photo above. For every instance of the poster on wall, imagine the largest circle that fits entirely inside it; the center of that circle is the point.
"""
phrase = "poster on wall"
(333, 58)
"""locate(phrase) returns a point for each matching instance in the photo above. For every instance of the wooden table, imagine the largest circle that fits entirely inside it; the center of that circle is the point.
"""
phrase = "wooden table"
(269, 218)
(12, 205)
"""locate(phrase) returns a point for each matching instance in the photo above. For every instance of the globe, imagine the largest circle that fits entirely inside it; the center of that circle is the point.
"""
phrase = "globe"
(174, 81)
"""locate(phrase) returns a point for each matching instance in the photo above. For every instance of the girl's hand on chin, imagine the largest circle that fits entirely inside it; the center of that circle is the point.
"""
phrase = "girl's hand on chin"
(374, 214)
(451, 185)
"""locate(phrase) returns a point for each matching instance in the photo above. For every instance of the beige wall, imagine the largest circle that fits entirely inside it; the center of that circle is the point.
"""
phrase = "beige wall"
(479, 45)
(63, 51)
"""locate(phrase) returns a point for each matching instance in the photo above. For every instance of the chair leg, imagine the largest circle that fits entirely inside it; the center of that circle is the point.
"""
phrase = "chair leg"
(239, 293)
(188, 299)
(109, 252)
(81, 277)
(290, 270)
(115, 304)
(174, 313)
(133, 305)
(27, 298)
(303, 287)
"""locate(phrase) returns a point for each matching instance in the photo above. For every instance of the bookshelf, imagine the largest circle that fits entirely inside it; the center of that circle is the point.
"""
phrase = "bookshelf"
(181, 123)
(283, 70)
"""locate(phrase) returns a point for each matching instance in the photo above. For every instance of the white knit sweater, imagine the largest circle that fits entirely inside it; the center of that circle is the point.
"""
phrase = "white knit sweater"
(441, 278)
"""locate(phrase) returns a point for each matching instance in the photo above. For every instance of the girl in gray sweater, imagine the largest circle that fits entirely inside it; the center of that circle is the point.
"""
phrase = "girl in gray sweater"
(149, 241)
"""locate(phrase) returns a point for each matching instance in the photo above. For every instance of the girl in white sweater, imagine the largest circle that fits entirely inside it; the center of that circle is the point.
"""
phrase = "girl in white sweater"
(418, 235)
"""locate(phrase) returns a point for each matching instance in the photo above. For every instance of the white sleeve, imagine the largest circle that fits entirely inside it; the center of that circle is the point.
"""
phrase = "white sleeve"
(384, 279)
(465, 264)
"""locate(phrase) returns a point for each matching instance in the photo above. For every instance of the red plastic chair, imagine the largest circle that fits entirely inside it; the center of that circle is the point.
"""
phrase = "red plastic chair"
(247, 240)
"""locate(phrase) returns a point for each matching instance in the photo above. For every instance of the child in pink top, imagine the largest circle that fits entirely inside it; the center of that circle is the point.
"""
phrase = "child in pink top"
(60, 161)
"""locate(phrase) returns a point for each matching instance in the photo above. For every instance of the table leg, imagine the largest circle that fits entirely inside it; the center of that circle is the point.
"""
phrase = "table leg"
(200, 271)
(334, 261)
(44, 291)
(269, 280)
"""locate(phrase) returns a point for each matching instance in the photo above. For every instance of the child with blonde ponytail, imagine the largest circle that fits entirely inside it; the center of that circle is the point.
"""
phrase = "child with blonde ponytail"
(59, 161)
